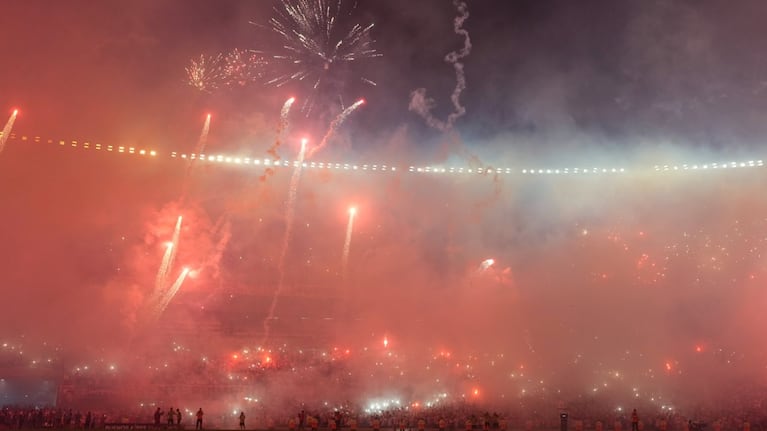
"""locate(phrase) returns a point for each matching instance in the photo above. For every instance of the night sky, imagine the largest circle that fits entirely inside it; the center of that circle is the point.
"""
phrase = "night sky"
(655, 275)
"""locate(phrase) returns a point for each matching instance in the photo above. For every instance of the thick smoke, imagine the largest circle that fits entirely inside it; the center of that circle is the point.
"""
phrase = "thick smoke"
(605, 290)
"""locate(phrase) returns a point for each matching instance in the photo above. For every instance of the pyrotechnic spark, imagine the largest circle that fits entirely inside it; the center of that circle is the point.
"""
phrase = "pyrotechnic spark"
(289, 217)
(421, 104)
(348, 241)
(172, 291)
(317, 44)
(7, 129)
(335, 124)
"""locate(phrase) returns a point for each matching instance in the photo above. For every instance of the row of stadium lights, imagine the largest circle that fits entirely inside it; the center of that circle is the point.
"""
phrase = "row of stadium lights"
(365, 167)
(87, 145)
(384, 168)
(726, 165)
(284, 163)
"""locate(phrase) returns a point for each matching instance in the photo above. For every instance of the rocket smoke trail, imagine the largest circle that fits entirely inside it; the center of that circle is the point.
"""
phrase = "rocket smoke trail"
(289, 216)
(7, 129)
(348, 242)
(335, 124)
(172, 292)
(223, 229)
(421, 104)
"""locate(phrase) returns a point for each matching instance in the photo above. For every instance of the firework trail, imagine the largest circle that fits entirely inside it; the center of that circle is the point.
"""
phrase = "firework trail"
(348, 241)
(421, 104)
(7, 129)
(289, 217)
(282, 127)
(316, 45)
(167, 262)
(161, 271)
(198, 149)
(335, 125)
(203, 139)
(172, 292)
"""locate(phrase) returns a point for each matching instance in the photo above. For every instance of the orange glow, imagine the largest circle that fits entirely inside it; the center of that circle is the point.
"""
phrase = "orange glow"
(668, 366)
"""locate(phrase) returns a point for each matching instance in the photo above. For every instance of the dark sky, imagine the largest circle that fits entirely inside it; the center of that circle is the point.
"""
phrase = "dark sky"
(592, 276)
(614, 69)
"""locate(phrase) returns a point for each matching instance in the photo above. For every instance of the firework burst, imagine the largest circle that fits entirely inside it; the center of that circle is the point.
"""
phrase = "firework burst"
(205, 73)
(317, 45)
(235, 68)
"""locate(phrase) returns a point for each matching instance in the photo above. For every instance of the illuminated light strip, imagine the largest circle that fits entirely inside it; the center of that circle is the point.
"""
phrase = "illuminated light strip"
(710, 166)
(386, 168)
(86, 145)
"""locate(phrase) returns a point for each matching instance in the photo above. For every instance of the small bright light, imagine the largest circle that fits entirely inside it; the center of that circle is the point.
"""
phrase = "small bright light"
(352, 211)
(487, 263)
